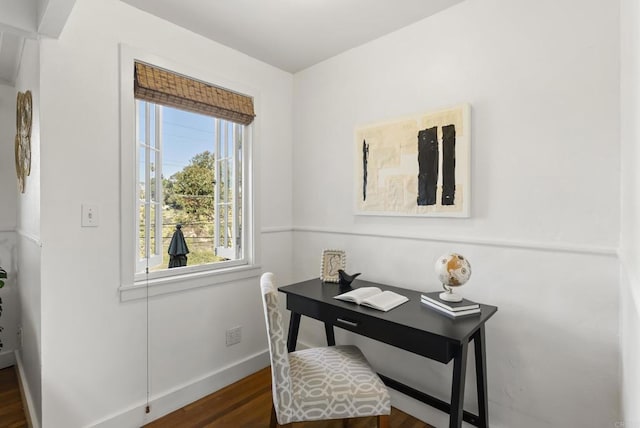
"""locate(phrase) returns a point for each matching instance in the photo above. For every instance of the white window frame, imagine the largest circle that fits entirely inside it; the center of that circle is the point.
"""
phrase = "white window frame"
(223, 159)
(134, 286)
(153, 256)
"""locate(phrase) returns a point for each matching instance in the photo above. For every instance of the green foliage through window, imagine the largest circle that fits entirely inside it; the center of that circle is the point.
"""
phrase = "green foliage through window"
(189, 171)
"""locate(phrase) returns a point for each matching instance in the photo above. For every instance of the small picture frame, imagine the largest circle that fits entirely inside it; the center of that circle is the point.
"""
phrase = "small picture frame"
(332, 260)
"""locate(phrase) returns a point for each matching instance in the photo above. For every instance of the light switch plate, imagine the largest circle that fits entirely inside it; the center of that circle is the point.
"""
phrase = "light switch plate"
(89, 215)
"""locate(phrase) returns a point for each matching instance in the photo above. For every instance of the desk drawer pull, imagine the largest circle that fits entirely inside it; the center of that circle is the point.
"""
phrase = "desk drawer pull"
(349, 323)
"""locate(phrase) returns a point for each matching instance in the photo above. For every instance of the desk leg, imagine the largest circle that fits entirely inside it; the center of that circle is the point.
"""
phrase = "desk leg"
(457, 387)
(294, 325)
(481, 377)
(331, 337)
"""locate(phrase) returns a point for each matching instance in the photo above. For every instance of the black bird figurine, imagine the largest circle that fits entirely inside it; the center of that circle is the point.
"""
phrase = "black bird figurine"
(345, 278)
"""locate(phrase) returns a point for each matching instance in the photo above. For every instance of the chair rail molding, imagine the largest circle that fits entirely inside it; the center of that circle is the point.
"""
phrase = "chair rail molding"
(30, 237)
(276, 229)
(563, 247)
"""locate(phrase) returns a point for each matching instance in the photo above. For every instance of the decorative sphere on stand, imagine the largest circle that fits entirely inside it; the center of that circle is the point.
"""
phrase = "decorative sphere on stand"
(453, 270)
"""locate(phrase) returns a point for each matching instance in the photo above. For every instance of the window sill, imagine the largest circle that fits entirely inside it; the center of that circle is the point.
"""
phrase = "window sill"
(177, 283)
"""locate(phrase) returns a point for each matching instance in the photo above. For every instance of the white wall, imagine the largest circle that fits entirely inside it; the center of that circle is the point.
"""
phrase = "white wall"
(29, 202)
(19, 224)
(93, 346)
(630, 227)
(9, 319)
(537, 75)
(543, 83)
(8, 294)
(29, 246)
(8, 186)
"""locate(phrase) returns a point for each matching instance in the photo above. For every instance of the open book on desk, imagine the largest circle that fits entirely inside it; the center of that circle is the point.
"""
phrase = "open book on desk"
(373, 297)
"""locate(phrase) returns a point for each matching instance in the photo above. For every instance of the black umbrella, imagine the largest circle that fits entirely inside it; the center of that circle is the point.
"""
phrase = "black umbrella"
(178, 249)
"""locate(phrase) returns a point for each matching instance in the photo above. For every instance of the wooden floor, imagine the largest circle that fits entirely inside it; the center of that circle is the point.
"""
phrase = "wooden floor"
(244, 404)
(247, 404)
(11, 409)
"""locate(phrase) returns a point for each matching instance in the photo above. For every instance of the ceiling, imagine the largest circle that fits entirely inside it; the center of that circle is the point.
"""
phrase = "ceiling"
(27, 19)
(292, 34)
(288, 34)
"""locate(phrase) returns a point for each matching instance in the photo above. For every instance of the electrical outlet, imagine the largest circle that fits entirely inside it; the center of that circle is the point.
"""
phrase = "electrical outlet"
(234, 335)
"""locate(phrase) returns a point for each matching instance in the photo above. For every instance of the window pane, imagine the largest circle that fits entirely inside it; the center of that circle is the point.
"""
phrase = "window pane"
(153, 177)
(142, 241)
(223, 137)
(230, 140)
(140, 116)
(152, 229)
(152, 126)
(223, 181)
(142, 151)
(195, 187)
(141, 185)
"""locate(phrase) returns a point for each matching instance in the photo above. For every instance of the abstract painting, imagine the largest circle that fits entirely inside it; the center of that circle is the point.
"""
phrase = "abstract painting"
(415, 166)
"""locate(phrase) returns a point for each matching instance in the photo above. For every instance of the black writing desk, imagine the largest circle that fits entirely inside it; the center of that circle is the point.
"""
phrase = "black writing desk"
(411, 326)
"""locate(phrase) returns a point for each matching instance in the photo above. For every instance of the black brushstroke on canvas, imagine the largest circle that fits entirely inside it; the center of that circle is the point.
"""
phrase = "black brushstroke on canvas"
(448, 164)
(365, 159)
(427, 166)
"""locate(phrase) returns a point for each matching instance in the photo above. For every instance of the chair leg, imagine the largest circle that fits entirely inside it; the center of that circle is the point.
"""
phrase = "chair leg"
(274, 421)
(383, 421)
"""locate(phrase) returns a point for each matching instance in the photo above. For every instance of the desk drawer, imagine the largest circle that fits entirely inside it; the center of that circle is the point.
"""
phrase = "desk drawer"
(416, 341)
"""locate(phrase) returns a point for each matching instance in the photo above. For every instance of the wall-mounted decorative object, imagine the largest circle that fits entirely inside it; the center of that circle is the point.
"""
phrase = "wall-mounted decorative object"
(415, 166)
(332, 262)
(453, 270)
(24, 114)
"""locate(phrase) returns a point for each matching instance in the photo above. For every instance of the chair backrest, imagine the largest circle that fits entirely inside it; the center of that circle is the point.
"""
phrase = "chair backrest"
(280, 371)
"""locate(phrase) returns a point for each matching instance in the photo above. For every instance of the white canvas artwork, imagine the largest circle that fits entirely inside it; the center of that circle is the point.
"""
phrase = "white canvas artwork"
(415, 166)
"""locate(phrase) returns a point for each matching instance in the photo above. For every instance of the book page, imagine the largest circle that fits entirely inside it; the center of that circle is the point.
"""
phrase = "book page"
(384, 301)
(359, 294)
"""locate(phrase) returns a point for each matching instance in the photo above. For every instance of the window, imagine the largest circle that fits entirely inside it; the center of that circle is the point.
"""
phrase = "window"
(190, 179)
(187, 174)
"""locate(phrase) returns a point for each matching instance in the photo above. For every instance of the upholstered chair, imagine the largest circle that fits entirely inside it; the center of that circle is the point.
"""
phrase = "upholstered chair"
(334, 382)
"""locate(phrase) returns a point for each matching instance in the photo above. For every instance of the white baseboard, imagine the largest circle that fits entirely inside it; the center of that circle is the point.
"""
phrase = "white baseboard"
(7, 359)
(27, 398)
(173, 400)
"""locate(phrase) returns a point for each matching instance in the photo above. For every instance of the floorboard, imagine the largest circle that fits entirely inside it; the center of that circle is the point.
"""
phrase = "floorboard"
(11, 408)
(244, 404)
(247, 404)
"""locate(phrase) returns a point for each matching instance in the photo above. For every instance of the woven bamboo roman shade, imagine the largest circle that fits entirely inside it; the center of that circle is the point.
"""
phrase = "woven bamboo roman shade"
(167, 88)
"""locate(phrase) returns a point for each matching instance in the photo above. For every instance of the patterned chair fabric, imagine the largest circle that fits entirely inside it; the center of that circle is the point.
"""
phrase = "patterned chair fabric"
(333, 382)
